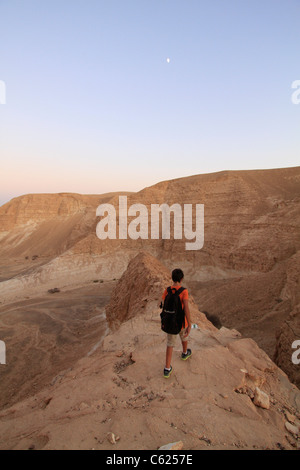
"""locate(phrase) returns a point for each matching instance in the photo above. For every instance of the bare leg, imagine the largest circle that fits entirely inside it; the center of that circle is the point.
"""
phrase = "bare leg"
(169, 353)
(184, 346)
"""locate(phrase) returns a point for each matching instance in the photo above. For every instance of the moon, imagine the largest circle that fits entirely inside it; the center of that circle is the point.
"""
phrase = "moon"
(168, 60)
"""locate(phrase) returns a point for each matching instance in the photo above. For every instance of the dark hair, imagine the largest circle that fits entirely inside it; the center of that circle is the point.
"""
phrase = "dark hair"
(177, 275)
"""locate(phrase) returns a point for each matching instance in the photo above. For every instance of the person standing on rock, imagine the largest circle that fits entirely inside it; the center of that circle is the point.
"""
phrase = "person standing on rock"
(177, 277)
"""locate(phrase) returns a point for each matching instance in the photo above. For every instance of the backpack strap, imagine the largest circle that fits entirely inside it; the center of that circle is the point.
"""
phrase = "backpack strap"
(177, 291)
(181, 289)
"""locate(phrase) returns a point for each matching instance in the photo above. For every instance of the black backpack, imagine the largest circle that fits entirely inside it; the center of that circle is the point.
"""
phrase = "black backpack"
(172, 315)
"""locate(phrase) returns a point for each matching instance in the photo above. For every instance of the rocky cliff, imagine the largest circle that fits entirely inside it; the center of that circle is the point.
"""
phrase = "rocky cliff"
(228, 395)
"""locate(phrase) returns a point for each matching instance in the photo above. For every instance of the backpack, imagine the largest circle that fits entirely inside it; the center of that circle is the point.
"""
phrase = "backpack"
(172, 315)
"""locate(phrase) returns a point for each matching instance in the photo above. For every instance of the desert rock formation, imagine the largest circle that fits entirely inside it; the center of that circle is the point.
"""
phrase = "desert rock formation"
(117, 397)
(247, 272)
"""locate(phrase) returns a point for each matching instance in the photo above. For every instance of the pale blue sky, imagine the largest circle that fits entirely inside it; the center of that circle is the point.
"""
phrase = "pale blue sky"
(92, 105)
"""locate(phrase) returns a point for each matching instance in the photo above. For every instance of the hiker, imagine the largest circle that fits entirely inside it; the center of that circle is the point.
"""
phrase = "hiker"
(185, 322)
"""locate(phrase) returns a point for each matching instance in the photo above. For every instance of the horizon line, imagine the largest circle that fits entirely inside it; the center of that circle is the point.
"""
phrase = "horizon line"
(124, 192)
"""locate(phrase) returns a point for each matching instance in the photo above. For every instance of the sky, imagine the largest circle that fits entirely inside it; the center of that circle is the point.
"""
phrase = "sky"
(116, 95)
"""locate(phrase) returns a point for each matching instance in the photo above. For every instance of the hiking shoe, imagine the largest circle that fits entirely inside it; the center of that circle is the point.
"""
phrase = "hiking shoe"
(185, 356)
(167, 372)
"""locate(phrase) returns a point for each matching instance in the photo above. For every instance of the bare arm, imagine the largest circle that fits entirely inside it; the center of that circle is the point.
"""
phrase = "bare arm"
(188, 315)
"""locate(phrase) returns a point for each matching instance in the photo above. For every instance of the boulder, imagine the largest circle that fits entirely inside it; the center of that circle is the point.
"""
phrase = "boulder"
(172, 446)
(261, 399)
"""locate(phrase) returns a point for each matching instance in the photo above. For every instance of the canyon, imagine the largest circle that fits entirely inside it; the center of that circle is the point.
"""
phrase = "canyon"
(72, 305)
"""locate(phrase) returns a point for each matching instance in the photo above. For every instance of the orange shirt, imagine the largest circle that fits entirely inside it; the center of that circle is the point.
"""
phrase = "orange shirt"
(183, 296)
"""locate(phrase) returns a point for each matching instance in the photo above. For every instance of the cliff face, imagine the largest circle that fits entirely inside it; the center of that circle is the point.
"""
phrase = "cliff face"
(250, 218)
(228, 395)
(241, 274)
(36, 208)
(47, 224)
